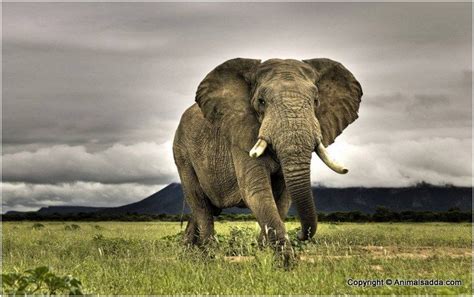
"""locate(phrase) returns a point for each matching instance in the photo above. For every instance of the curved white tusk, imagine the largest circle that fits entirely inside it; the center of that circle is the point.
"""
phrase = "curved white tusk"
(258, 148)
(323, 154)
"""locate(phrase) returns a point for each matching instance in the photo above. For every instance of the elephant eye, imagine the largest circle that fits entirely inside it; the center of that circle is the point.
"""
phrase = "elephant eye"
(261, 101)
(316, 102)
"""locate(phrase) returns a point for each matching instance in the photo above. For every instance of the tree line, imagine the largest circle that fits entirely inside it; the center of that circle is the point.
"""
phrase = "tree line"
(381, 214)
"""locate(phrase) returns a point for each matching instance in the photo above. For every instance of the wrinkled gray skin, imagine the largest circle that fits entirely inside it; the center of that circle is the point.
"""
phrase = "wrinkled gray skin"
(292, 105)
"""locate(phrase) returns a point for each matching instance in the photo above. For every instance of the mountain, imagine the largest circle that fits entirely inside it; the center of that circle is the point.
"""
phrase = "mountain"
(168, 200)
(416, 198)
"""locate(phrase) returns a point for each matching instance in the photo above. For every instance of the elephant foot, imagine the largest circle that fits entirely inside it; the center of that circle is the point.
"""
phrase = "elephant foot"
(270, 237)
(208, 247)
(194, 239)
(262, 240)
(285, 255)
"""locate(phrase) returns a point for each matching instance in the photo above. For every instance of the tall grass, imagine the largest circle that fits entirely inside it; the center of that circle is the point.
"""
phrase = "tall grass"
(148, 258)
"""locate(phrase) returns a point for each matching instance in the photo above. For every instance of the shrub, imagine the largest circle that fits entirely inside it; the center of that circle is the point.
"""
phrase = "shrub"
(38, 226)
(72, 227)
(40, 281)
(298, 245)
(241, 242)
(174, 238)
(98, 227)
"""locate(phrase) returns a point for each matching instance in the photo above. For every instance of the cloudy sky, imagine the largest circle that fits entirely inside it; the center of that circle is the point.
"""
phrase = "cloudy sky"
(93, 92)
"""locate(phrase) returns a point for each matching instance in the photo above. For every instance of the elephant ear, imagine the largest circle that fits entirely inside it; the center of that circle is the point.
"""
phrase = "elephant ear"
(224, 99)
(339, 97)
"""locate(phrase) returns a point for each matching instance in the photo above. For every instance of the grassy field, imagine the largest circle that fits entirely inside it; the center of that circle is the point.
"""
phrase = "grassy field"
(146, 258)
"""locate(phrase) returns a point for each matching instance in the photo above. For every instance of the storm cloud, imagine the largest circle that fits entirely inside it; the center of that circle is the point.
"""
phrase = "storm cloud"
(27, 197)
(145, 163)
(93, 92)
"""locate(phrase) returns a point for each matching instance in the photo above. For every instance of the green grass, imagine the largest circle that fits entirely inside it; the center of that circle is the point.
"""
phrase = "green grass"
(145, 258)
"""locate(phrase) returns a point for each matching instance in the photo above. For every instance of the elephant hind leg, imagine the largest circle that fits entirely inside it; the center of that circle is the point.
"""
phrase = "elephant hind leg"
(200, 226)
(191, 234)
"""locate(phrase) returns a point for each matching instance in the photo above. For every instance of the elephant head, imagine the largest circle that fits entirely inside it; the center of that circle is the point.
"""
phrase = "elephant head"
(294, 107)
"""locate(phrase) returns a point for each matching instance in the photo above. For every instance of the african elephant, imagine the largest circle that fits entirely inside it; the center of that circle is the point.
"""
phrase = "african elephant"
(249, 139)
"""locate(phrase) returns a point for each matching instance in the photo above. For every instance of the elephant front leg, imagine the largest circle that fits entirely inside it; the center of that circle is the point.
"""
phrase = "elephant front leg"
(254, 182)
(282, 199)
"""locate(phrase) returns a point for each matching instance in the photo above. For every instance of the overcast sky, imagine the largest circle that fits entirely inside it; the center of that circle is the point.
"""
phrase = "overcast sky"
(93, 92)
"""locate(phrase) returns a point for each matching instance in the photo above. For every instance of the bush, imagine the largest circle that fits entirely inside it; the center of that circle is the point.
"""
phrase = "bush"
(40, 281)
(241, 242)
(98, 227)
(72, 227)
(298, 245)
(38, 226)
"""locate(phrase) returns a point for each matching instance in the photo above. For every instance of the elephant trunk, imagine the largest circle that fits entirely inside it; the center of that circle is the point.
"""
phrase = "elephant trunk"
(294, 146)
(296, 171)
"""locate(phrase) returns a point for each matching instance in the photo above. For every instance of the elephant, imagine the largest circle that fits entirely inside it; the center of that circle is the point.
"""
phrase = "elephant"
(248, 139)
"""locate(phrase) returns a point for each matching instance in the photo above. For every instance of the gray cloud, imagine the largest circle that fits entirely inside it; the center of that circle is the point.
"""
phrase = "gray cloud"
(27, 197)
(145, 163)
(92, 92)
(400, 163)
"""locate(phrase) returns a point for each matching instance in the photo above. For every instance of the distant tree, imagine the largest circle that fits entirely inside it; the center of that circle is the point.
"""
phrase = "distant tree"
(423, 184)
(383, 214)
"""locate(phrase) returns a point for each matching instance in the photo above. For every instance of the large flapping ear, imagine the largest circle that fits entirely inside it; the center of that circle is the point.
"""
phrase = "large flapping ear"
(224, 99)
(339, 97)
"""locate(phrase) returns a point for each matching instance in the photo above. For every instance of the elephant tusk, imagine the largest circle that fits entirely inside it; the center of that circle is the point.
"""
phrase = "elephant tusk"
(258, 148)
(323, 154)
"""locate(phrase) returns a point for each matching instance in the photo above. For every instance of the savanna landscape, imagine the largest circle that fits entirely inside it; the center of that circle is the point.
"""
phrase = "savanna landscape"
(149, 257)
(145, 145)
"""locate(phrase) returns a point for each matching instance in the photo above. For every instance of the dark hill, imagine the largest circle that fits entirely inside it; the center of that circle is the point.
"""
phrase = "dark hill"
(417, 198)
(423, 197)
(168, 200)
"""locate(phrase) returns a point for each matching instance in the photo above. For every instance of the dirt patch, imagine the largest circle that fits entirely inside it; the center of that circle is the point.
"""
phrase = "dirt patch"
(238, 259)
(385, 252)
(413, 252)
(377, 267)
